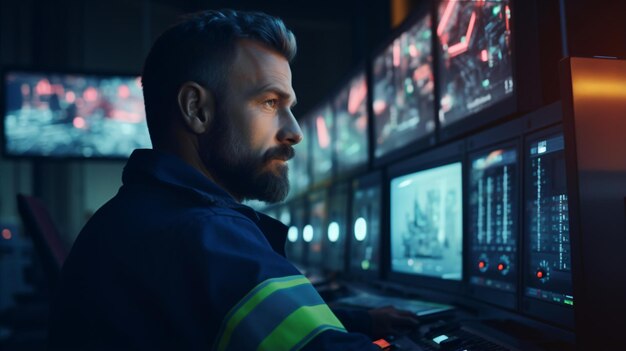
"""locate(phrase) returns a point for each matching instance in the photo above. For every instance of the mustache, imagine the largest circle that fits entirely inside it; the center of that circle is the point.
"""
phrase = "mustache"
(283, 152)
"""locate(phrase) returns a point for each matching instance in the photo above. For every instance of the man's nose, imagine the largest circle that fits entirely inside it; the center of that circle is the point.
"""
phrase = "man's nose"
(290, 131)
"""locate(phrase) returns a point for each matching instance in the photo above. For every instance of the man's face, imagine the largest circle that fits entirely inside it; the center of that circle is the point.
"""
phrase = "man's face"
(254, 130)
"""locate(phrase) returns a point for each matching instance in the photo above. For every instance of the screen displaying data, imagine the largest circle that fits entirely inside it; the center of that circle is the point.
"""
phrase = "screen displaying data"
(549, 272)
(293, 215)
(366, 227)
(403, 86)
(475, 65)
(493, 206)
(350, 109)
(427, 222)
(73, 115)
(335, 240)
(314, 231)
(321, 122)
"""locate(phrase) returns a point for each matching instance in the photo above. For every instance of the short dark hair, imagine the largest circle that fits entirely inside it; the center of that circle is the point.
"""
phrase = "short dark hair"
(200, 48)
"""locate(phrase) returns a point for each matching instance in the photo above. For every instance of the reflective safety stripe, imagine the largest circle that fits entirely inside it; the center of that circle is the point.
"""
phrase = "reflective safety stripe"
(268, 314)
(292, 292)
(301, 327)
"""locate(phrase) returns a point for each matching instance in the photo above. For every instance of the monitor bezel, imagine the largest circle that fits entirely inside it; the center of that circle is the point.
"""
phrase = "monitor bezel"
(504, 136)
(441, 156)
(548, 312)
(44, 70)
(423, 142)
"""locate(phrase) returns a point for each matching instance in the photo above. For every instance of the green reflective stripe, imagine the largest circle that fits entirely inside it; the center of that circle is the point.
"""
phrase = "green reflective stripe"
(251, 300)
(302, 325)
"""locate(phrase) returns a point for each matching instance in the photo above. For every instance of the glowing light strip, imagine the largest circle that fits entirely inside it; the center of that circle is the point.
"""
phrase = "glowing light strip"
(462, 47)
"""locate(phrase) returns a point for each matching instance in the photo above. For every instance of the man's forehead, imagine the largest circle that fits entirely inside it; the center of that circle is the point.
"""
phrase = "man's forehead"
(257, 65)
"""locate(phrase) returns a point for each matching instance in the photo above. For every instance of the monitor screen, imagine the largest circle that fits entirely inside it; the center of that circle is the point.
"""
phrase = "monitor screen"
(321, 122)
(493, 206)
(427, 222)
(548, 255)
(366, 228)
(350, 109)
(313, 232)
(293, 215)
(73, 115)
(334, 243)
(403, 86)
(475, 67)
(299, 177)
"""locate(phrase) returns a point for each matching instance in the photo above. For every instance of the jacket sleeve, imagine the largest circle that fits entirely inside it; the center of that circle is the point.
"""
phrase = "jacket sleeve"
(258, 300)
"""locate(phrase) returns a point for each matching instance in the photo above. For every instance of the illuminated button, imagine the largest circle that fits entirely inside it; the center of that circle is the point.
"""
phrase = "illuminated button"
(292, 234)
(482, 265)
(333, 232)
(501, 266)
(360, 229)
(541, 274)
(307, 233)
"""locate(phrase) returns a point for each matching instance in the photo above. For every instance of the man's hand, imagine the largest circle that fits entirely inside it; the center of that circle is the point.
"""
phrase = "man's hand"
(389, 320)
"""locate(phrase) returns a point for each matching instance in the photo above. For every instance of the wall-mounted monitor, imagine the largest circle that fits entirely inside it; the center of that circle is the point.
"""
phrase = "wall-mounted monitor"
(403, 89)
(475, 59)
(315, 229)
(426, 218)
(73, 115)
(334, 242)
(493, 198)
(351, 124)
(548, 288)
(366, 226)
(321, 121)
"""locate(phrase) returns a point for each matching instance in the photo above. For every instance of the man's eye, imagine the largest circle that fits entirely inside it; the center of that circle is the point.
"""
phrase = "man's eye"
(271, 103)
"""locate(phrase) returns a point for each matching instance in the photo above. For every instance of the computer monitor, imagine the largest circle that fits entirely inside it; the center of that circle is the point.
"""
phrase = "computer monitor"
(364, 259)
(293, 215)
(426, 218)
(314, 231)
(403, 89)
(73, 115)
(321, 124)
(474, 58)
(548, 288)
(493, 224)
(351, 124)
(334, 242)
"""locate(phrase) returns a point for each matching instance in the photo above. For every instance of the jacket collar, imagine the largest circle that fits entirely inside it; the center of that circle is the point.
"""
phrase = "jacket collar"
(147, 165)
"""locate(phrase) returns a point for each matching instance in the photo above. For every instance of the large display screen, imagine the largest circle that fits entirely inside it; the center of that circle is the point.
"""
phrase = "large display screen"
(475, 67)
(548, 253)
(427, 222)
(350, 109)
(366, 227)
(403, 86)
(321, 122)
(73, 115)
(493, 221)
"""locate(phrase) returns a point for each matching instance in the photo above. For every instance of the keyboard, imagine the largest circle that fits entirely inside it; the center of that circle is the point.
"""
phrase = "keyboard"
(420, 308)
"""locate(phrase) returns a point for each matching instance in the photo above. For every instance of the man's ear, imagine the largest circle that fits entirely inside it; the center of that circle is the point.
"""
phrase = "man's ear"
(197, 107)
